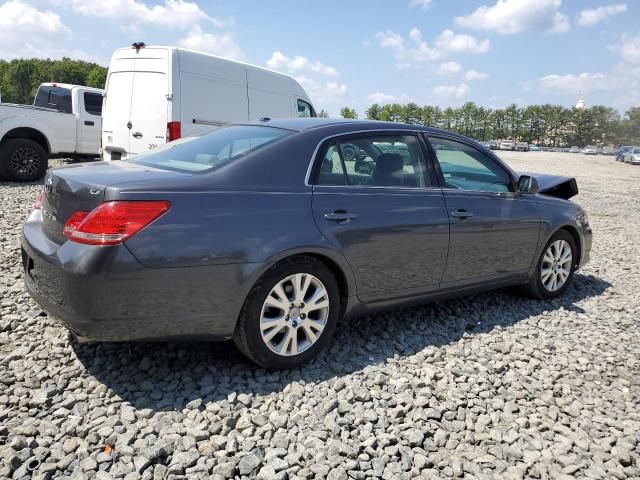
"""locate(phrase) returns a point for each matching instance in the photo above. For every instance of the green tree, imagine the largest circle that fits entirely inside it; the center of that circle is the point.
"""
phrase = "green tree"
(373, 112)
(346, 112)
(323, 114)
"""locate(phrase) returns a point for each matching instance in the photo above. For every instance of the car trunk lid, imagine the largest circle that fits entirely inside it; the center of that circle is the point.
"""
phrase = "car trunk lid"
(82, 187)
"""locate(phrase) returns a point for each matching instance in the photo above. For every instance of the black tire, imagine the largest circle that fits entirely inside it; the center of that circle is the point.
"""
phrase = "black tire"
(13, 155)
(247, 335)
(535, 288)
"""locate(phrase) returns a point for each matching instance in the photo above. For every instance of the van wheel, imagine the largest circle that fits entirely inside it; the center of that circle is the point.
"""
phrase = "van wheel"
(23, 160)
(290, 314)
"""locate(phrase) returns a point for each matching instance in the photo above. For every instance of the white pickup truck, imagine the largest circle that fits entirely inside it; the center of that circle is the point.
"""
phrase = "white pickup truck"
(64, 120)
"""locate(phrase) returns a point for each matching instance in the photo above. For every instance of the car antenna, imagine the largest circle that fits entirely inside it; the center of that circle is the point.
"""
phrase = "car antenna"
(265, 119)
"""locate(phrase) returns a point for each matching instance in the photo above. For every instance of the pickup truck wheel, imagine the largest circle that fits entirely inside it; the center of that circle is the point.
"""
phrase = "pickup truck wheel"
(23, 160)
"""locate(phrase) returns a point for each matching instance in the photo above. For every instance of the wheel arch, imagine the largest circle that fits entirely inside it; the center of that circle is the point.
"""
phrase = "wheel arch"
(576, 238)
(29, 133)
(331, 259)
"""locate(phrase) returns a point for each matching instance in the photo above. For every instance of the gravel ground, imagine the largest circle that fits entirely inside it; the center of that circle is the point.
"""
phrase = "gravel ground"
(487, 386)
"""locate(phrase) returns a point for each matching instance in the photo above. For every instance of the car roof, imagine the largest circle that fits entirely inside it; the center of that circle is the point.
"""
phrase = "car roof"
(350, 125)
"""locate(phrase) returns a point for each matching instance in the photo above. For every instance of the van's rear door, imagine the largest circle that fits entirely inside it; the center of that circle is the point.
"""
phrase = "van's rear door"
(137, 106)
(115, 115)
(149, 110)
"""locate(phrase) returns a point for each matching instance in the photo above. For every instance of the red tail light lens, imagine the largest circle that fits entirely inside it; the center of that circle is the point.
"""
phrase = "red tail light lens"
(112, 223)
(173, 131)
(37, 205)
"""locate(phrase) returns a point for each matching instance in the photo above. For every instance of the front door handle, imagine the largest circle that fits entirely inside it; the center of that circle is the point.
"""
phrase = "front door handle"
(340, 216)
(137, 134)
(461, 214)
(89, 123)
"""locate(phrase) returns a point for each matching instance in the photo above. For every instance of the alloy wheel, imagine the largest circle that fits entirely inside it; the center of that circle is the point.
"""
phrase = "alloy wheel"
(556, 265)
(294, 314)
(24, 161)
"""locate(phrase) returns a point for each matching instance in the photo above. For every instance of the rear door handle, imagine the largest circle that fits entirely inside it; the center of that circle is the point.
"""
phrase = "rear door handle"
(461, 214)
(89, 123)
(137, 134)
(340, 216)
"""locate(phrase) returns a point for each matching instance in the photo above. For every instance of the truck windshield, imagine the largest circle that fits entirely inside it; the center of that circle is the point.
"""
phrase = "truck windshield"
(211, 150)
(57, 98)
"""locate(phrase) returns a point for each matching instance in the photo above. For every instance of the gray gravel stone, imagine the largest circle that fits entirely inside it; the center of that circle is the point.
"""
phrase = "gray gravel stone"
(488, 386)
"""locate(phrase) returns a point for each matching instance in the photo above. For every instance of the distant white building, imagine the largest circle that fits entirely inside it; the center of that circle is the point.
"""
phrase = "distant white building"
(580, 103)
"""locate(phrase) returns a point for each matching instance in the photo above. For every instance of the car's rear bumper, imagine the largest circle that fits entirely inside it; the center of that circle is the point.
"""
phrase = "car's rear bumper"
(104, 293)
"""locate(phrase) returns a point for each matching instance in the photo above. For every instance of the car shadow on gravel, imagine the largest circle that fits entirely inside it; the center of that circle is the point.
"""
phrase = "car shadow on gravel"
(167, 376)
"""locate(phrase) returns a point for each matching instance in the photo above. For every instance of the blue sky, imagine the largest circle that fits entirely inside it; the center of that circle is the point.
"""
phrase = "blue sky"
(355, 52)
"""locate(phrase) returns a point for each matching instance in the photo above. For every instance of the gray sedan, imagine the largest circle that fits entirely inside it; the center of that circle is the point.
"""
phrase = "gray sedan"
(269, 233)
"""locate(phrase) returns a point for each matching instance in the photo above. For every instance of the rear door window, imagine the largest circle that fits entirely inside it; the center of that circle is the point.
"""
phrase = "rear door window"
(375, 161)
(56, 98)
(93, 103)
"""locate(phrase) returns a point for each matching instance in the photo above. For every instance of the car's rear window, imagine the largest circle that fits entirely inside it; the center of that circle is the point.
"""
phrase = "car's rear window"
(211, 150)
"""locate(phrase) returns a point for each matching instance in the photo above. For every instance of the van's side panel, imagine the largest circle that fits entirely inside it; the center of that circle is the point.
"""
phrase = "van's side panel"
(213, 92)
(270, 95)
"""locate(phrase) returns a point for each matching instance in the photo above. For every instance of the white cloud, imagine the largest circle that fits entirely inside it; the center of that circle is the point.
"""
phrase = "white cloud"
(590, 17)
(515, 16)
(456, 92)
(461, 43)
(472, 75)
(414, 49)
(217, 44)
(381, 98)
(293, 65)
(449, 68)
(172, 13)
(570, 83)
(630, 49)
(26, 31)
(417, 51)
(317, 78)
(390, 39)
(424, 4)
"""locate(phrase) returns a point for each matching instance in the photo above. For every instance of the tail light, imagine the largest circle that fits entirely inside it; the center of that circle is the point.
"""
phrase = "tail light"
(114, 222)
(173, 131)
(37, 205)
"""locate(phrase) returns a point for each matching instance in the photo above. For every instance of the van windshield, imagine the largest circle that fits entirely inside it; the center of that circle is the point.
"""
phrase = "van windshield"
(211, 150)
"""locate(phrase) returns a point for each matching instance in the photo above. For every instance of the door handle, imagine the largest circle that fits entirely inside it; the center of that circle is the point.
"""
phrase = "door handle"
(461, 214)
(340, 216)
(137, 134)
(89, 123)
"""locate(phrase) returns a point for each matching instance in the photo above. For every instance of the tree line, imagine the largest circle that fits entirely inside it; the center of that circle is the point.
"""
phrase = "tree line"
(544, 125)
(19, 79)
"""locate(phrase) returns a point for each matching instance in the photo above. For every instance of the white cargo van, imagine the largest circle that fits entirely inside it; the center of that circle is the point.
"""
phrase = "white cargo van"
(158, 94)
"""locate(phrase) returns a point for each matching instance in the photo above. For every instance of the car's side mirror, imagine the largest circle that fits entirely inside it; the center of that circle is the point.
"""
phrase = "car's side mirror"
(527, 184)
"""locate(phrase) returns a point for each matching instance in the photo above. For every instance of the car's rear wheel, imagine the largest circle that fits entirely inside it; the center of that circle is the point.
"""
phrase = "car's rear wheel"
(290, 314)
(22, 160)
(555, 268)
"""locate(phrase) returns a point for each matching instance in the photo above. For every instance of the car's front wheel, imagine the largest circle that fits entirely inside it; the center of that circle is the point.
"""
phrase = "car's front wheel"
(555, 267)
(290, 314)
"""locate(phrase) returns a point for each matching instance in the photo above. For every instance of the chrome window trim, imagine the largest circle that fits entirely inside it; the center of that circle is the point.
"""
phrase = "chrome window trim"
(375, 130)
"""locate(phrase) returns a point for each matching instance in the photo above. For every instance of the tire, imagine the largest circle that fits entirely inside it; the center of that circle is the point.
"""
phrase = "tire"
(23, 160)
(255, 313)
(540, 286)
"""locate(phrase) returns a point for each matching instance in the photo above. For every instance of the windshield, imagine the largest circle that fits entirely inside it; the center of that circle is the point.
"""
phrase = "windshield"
(212, 150)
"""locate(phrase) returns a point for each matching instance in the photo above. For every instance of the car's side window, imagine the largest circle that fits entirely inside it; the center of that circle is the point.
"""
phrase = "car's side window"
(375, 160)
(466, 168)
